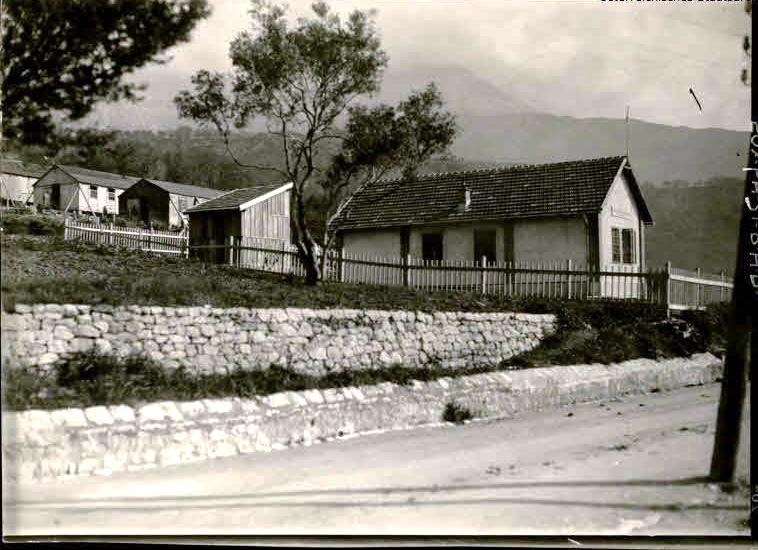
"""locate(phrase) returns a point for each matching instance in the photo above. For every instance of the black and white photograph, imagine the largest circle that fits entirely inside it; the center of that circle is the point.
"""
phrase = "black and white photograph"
(377, 268)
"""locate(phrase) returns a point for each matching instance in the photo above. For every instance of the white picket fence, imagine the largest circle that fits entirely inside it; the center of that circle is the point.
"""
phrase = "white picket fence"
(148, 240)
(678, 289)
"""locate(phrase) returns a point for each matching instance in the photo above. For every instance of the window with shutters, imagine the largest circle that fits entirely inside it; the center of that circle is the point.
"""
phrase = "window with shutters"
(93, 191)
(623, 246)
(111, 194)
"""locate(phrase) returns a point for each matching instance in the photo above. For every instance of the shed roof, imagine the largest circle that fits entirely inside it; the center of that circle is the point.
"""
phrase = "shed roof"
(96, 177)
(186, 189)
(526, 191)
(238, 198)
(20, 168)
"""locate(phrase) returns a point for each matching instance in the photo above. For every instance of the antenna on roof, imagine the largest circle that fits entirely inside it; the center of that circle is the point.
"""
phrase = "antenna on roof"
(627, 132)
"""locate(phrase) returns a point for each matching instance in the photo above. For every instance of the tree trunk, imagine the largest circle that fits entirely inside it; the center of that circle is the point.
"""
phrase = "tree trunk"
(304, 240)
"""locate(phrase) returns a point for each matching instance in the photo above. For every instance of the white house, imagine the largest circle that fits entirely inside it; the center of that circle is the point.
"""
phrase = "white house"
(591, 212)
(17, 181)
(75, 189)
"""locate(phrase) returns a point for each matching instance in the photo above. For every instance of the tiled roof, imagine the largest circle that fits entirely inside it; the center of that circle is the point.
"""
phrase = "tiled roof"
(232, 200)
(187, 190)
(96, 177)
(558, 189)
(21, 168)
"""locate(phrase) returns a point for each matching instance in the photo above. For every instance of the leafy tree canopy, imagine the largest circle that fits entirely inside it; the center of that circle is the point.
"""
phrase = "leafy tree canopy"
(302, 79)
(64, 56)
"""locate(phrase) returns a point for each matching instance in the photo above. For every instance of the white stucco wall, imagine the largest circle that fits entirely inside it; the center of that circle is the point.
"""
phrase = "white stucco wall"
(619, 210)
(375, 244)
(550, 240)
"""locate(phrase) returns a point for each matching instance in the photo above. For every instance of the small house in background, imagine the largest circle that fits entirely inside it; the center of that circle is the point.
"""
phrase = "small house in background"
(17, 181)
(590, 212)
(162, 202)
(75, 189)
(254, 216)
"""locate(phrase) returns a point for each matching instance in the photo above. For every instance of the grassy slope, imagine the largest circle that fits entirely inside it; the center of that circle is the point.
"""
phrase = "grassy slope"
(46, 269)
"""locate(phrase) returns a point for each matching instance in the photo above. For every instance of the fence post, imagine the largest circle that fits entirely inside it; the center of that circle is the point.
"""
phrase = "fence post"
(110, 235)
(406, 269)
(667, 291)
(568, 268)
(698, 289)
(185, 242)
(139, 239)
(484, 274)
(231, 250)
(341, 262)
(66, 235)
(721, 288)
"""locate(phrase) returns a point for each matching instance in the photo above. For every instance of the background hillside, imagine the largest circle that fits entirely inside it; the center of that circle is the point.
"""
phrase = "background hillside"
(692, 178)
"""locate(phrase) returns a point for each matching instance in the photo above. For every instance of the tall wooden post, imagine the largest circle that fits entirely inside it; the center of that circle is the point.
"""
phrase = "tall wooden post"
(667, 289)
(406, 269)
(736, 362)
(110, 235)
(342, 265)
(231, 250)
(721, 288)
(484, 274)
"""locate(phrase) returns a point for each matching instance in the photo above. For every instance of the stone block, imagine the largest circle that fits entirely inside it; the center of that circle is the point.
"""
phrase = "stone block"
(98, 416)
(69, 418)
(122, 413)
(218, 406)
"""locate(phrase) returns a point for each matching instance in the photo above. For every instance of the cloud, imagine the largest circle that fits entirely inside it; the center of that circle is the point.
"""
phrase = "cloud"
(567, 57)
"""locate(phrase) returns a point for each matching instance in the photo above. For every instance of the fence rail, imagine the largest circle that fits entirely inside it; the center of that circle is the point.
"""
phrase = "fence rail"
(148, 240)
(676, 288)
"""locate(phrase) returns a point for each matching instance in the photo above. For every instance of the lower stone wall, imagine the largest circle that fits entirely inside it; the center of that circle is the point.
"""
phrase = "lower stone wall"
(44, 445)
(308, 341)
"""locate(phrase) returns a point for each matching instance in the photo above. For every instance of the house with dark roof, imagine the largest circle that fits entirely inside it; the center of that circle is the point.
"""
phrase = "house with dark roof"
(591, 212)
(17, 181)
(75, 189)
(254, 216)
(163, 202)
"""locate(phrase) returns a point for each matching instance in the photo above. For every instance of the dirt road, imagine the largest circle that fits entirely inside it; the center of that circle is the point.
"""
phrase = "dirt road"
(632, 466)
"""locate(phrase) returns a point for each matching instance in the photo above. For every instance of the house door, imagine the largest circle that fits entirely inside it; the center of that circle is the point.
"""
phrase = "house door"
(55, 197)
(485, 245)
(144, 210)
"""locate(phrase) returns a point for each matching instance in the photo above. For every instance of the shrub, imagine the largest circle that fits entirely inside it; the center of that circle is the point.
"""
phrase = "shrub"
(456, 413)
(32, 224)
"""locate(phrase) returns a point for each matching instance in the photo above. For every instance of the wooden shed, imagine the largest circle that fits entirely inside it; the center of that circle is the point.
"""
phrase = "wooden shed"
(163, 202)
(75, 189)
(257, 216)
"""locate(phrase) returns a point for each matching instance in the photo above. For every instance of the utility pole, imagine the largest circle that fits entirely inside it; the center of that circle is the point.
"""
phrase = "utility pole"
(737, 360)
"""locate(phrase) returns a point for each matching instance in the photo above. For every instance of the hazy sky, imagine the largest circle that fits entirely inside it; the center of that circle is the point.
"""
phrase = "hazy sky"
(587, 58)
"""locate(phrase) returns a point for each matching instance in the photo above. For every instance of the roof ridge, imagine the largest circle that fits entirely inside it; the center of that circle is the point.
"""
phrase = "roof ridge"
(497, 169)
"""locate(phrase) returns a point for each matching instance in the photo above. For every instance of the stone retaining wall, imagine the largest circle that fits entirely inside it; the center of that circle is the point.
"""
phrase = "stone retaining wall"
(43, 445)
(309, 341)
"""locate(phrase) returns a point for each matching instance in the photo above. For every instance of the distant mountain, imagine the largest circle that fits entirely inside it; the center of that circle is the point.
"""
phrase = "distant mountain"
(657, 152)
(695, 225)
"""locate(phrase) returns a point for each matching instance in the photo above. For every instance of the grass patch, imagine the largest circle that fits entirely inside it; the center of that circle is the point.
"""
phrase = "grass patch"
(456, 413)
(31, 224)
(91, 378)
(51, 270)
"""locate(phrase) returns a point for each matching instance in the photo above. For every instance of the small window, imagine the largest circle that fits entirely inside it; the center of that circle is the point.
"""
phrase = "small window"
(431, 246)
(111, 194)
(623, 243)
(93, 191)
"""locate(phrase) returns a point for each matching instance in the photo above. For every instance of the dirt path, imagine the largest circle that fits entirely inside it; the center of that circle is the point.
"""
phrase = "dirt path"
(632, 466)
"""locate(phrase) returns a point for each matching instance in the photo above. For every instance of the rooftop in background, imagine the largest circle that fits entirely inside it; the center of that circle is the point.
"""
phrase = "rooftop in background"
(96, 177)
(522, 191)
(237, 199)
(186, 189)
(17, 167)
